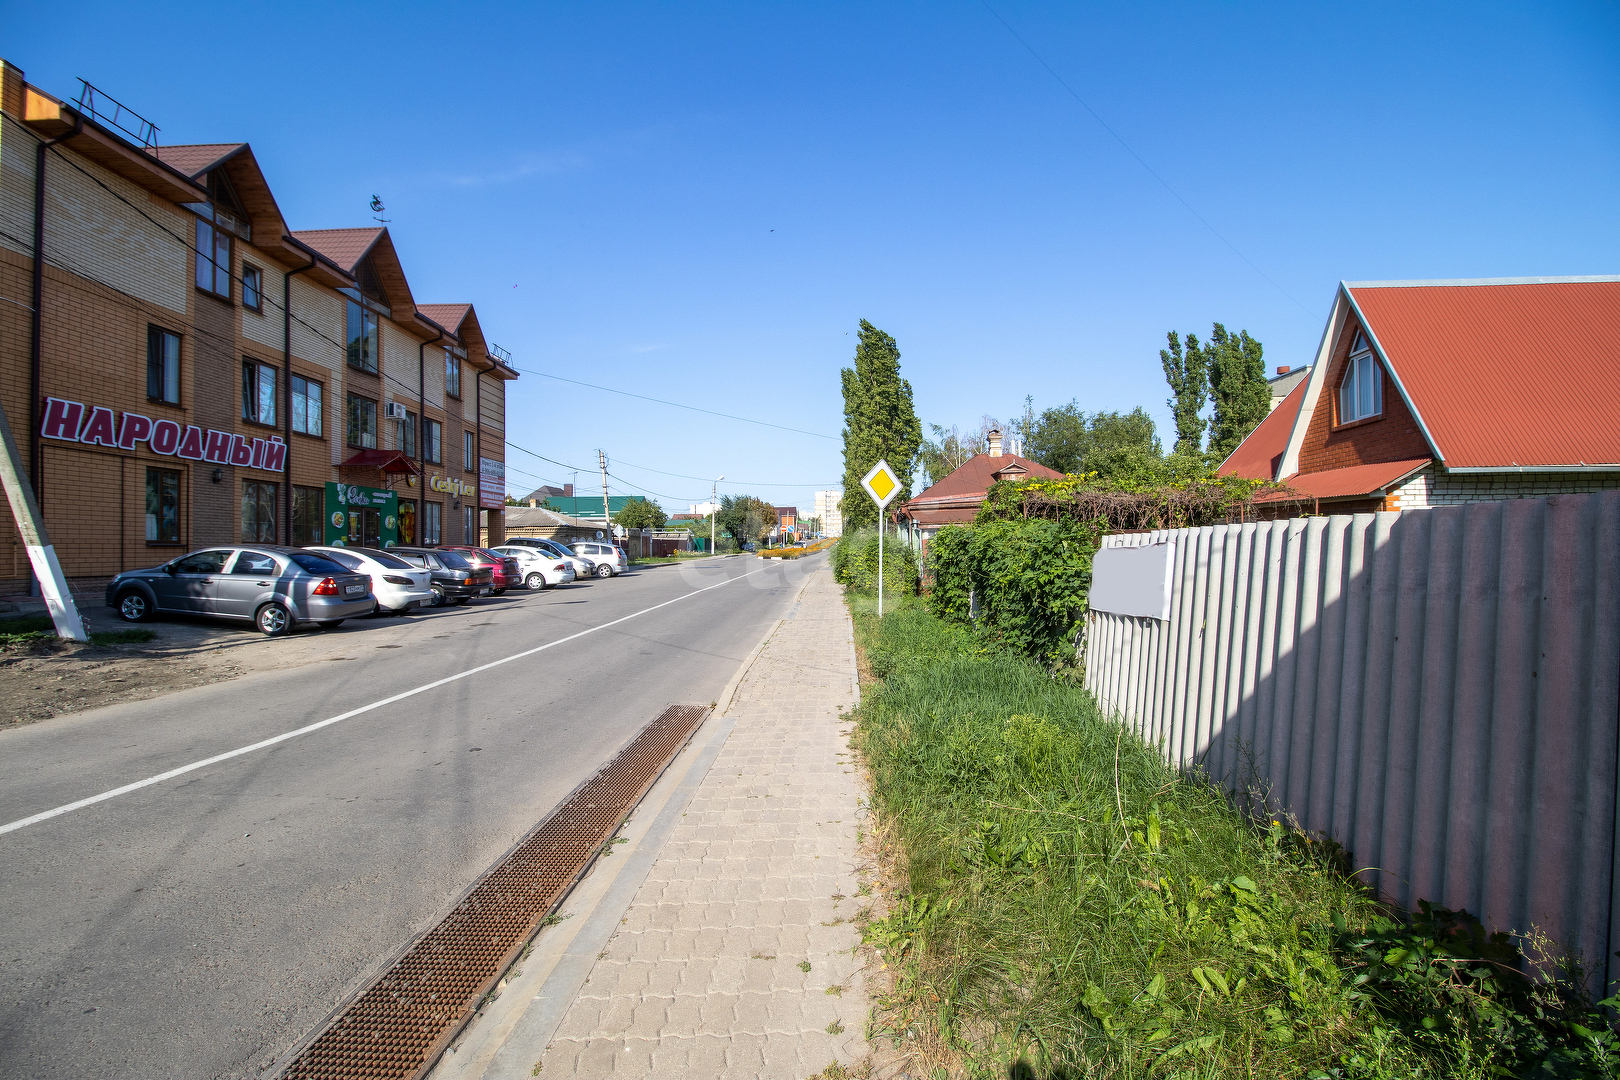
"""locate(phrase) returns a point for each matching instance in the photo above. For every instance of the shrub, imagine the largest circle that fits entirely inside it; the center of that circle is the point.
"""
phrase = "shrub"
(855, 563)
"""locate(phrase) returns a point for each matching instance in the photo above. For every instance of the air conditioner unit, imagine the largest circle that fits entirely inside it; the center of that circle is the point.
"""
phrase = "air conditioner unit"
(393, 410)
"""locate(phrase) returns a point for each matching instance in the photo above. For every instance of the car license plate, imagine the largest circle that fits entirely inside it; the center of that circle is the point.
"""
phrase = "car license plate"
(353, 590)
(484, 591)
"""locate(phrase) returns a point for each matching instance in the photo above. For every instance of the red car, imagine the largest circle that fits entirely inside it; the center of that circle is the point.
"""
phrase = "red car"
(503, 568)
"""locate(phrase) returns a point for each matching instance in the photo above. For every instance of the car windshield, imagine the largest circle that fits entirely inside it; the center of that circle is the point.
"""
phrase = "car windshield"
(384, 559)
(453, 560)
(313, 563)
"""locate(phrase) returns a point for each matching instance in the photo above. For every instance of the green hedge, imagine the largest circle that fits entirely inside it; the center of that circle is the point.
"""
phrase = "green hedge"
(1030, 578)
(855, 562)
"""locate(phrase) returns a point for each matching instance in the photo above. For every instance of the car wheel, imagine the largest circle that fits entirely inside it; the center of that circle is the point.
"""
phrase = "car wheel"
(604, 571)
(329, 623)
(273, 620)
(534, 582)
(133, 606)
(438, 596)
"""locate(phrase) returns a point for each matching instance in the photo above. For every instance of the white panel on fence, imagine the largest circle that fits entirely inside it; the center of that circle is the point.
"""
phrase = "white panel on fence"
(1437, 690)
(1133, 580)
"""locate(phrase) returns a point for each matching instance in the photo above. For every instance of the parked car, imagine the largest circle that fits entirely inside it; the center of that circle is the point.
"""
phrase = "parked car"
(583, 567)
(610, 559)
(275, 588)
(453, 577)
(540, 568)
(504, 573)
(396, 585)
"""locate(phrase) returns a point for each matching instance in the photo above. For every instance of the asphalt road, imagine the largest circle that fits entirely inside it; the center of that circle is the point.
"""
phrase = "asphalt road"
(202, 925)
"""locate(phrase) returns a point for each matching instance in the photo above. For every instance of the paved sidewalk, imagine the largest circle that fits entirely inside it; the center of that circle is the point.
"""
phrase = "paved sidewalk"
(737, 956)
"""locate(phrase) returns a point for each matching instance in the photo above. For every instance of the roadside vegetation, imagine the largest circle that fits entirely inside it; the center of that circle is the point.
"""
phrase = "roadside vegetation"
(795, 552)
(1066, 905)
(37, 629)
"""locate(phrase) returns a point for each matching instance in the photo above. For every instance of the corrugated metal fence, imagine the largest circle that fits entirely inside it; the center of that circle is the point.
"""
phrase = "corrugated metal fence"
(1437, 690)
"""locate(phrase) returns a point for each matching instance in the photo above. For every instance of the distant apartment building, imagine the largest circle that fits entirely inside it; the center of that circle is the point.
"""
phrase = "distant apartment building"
(702, 509)
(828, 509)
(200, 373)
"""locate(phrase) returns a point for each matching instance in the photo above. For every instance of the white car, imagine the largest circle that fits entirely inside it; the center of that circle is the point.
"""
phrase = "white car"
(583, 567)
(540, 568)
(609, 558)
(397, 585)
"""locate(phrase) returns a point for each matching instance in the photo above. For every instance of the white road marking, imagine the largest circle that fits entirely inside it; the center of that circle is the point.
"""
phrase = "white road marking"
(68, 808)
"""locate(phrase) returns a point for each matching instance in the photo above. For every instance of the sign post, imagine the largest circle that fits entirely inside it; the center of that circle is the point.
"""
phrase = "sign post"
(883, 486)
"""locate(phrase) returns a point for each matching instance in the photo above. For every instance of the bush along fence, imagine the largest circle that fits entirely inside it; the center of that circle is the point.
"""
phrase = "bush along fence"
(855, 562)
(1436, 690)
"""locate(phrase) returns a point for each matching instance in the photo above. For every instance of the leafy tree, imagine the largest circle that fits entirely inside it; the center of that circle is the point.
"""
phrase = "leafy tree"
(641, 514)
(1114, 445)
(746, 517)
(879, 421)
(1237, 389)
(1188, 375)
(951, 448)
(810, 526)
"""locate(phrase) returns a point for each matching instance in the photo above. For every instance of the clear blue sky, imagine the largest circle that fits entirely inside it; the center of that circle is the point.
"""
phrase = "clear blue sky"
(699, 202)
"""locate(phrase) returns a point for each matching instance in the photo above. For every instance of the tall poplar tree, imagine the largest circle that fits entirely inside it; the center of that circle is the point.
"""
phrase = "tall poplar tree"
(1188, 376)
(879, 423)
(1237, 389)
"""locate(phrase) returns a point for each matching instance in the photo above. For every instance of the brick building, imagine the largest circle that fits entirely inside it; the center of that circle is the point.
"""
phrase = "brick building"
(1428, 393)
(199, 373)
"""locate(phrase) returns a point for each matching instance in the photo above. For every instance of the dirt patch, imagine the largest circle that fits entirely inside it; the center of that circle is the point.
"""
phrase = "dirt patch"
(48, 679)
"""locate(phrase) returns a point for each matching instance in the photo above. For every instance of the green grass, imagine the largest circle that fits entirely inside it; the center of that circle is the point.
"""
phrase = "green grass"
(29, 629)
(1075, 908)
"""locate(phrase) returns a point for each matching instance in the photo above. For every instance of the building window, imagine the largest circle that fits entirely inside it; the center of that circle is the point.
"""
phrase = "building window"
(362, 422)
(452, 374)
(213, 259)
(253, 288)
(469, 450)
(407, 435)
(469, 524)
(258, 512)
(306, 405)
(362, 338)
(259, 393)
(162, 506)
(309, 514)
(162, 365)
(1361, 394)
(432, 522)
(433, 441)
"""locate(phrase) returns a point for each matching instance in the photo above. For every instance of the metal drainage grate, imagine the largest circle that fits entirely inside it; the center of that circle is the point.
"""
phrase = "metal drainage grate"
(400, 1024)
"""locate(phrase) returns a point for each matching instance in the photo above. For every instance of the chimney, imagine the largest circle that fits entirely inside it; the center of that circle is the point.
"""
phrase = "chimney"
(1285, 369)
(995, 442)
(568, 491)
(534, 504)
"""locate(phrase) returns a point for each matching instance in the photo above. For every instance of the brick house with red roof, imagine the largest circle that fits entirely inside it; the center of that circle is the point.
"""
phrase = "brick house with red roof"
(1430, 393)
(956, 499)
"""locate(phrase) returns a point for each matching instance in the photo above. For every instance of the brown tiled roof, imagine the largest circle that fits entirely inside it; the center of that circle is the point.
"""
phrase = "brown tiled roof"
(346, 247)
(1258, 455)
(973, 480)
(195, 159)
(449, 316)
(1487, 366)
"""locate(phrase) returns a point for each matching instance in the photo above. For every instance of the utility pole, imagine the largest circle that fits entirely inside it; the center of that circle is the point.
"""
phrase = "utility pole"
(606, 517)
(714, 509)
(52, 585)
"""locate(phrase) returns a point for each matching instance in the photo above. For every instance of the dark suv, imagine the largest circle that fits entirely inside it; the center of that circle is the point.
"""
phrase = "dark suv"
(454, 578)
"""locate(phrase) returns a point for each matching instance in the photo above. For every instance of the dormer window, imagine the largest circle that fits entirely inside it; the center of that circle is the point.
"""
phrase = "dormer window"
(1361, 394)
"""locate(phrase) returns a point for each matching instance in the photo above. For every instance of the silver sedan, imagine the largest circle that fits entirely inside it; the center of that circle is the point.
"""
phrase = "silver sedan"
(275, 588)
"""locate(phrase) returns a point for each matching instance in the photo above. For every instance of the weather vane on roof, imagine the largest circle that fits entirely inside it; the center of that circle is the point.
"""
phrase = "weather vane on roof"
(377, 209)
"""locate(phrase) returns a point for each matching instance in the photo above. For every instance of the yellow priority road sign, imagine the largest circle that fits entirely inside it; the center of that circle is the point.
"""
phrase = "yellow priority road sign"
(881, 484)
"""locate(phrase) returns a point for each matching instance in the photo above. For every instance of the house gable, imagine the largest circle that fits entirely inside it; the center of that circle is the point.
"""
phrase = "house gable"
(1394, 435)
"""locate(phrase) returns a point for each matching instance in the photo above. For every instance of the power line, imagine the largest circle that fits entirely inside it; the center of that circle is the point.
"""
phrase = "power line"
(710, 480)
(1138, 157)
(677, 405)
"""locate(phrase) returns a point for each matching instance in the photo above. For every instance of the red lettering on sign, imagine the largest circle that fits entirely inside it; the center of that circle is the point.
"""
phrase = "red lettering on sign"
(258, 453)
(62, 419)
(191, 443)
(275, 456)
(100, 430)
(165, 436)
(219, 447)
(133, 428)
(241, 451)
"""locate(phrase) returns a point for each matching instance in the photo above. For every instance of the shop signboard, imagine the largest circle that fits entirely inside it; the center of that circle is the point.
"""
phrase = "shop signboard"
(491, 483)
(361, 516)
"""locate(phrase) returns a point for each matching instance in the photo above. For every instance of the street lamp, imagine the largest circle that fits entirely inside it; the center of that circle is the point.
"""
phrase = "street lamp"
(714, 489)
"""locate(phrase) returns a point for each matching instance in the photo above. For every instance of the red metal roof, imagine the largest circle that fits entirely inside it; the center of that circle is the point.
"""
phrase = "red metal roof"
(194, 159)
(1258, 455)
(389, 461)
(1353, 480)
(974, 477)
(1505, 374)
(448, 316)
